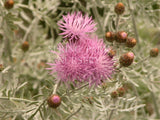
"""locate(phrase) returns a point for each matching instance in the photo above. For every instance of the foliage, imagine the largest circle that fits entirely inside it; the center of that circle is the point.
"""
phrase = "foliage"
(25, 83)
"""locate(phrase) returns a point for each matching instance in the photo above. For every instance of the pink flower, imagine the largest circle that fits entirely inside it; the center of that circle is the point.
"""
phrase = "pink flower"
(76, 25)
(83, 61)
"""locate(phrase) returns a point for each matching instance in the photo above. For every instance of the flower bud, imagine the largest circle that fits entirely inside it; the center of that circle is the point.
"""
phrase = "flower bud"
(131, 42)
(9, 4)
(126, 59)
(114, 94)
(119, 8)
(154, 52)
(121, 37)
(25, 46)
(54, 101)
(121, 91)
(111, 53)
(1, 67)
(110, 36)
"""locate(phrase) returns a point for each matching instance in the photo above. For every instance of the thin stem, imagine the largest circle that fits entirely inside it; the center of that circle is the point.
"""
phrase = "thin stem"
(29, 29)
(142, 60)
(77, 89)
(17, 111)
(96, 15)
(8, 48)
(117, 22)
(137, 94)
(74, 112)
(133, 20)
(155, 105)
(17, 99)
(39, 107)
(110, 116)
(55, 87)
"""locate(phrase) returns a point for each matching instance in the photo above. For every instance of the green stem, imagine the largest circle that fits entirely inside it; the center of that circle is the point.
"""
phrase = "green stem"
(155, 105)
(55, 87)
(111, 114)
(8, 48)
(117, 22)
(17, 99)
(133, 20)
(96, 15)
(74, 112)
(77, 89)
(38, 109)
(30, 28)
(137, 94)
(142, 60)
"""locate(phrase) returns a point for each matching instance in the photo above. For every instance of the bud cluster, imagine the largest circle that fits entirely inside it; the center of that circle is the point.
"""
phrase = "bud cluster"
(118, 93)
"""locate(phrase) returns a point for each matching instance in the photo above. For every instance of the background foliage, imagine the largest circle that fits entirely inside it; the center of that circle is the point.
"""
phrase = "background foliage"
(25, 83)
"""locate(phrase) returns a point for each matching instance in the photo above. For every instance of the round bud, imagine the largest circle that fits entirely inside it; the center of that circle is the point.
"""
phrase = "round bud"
(110, 36)
(1, 67)
(54, 101)
(9, 4)
(111, 53)
(121, 91)
(126, 59)
(149, 108)
(127, 86)
(114, 94)
(119, 8)
(25, 46)
(121, 37)
(131, 42)
(154, 52)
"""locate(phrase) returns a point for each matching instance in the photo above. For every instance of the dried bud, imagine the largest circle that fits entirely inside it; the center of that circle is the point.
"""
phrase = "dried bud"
(127, 86)
(114, 94)
(54, 101)
(154, 52)
(1, 67)
(119, 8)
(121, 37)
(126, 59)
(111, 53)
(42, 64)
(121, 91)
(149, 108)
(25, 46)
(9, 4)
(110, 36)
(131, 42)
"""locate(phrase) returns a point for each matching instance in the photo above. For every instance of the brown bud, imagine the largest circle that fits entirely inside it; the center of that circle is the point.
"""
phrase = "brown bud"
(42, 64)
(9, 4)
(126, 59)
(114, 94)
(154, 52)
(110, 36)
(149, 108)
(111, 53)
(131, 42)
(127, 86)
(119, 8)
(1, 67)
(25, 46)
(54, 101)
(121, 91)
(121, 37)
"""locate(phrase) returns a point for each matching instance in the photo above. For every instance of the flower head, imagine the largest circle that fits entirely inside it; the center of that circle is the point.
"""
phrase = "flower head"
(81, 61)
(76, 25)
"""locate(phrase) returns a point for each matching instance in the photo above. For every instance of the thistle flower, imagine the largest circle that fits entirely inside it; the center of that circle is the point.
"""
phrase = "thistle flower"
(76, 25)
(88, 62)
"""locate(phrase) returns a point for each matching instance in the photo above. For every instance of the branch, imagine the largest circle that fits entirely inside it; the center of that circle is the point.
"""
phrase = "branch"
(74, 112)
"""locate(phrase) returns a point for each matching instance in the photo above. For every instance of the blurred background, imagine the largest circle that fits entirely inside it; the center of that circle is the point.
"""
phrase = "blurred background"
(29, 30)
